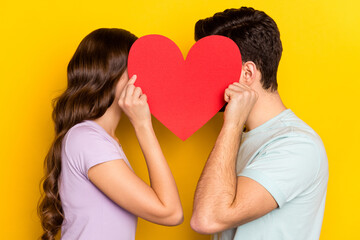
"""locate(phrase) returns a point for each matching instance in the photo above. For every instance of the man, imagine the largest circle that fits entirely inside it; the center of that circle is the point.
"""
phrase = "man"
(270, 181)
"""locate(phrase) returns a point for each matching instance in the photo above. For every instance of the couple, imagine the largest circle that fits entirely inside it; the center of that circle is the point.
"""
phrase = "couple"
(265, 182)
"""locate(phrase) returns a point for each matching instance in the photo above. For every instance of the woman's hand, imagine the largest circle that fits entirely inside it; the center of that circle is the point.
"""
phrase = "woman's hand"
(134, 104)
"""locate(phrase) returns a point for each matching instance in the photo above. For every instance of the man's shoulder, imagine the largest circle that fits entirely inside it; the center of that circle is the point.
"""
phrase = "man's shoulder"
(286, 125)
(294, 139)
(288, 133)
(295, 129)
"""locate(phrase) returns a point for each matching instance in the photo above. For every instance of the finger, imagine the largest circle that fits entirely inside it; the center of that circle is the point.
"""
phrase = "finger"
(132, 80)
(237, 84)
(143, 98)
(137, 92)
(235, 87)
(129, 91)
(228, 94)
(246, 87)
(241, 85)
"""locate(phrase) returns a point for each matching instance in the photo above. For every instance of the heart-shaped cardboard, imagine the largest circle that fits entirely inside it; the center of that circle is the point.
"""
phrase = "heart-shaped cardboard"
(184, 94)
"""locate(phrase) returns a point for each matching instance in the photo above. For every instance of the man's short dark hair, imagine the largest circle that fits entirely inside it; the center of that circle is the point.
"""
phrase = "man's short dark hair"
(256, 34)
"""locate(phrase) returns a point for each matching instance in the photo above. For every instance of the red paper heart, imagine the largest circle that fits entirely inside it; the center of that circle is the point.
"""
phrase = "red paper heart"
(184, 95)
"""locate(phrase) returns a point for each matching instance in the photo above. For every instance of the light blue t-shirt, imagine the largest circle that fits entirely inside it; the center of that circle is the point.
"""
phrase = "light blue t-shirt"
(288, 158)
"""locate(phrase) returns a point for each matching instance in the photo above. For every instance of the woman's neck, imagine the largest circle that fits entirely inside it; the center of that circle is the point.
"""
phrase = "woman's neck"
(110, 120)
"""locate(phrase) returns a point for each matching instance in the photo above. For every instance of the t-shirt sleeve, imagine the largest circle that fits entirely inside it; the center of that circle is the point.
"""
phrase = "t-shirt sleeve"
(285, 167)
(87, 147)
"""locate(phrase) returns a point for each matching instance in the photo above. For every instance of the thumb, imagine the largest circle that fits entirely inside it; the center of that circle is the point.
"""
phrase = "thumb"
(227, 95)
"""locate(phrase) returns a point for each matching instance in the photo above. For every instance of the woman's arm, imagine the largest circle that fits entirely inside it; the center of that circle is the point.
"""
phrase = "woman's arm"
(159, 202)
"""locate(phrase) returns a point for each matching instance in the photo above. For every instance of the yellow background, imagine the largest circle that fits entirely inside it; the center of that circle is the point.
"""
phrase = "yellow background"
(318, 78)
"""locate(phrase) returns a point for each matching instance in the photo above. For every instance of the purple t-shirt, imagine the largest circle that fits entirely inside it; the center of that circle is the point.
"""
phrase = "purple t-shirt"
(89, 213)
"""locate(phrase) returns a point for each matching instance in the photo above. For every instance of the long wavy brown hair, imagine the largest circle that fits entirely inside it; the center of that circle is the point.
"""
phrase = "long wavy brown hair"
(92, 74)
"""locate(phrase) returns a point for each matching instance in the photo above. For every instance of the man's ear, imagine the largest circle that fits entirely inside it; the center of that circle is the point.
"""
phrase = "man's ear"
(249, 73)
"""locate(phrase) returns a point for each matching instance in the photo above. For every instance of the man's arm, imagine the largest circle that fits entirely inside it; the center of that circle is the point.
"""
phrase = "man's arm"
(223, 200)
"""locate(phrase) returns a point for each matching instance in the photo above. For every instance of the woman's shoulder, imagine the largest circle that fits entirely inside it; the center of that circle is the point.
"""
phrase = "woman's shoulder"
(84, 129)
(87, 144)
(84, 135)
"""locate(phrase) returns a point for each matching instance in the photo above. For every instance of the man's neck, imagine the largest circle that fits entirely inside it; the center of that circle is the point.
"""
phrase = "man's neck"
(267, 107)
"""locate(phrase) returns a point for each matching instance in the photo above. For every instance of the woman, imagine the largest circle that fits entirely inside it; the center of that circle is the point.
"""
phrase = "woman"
(90, 190)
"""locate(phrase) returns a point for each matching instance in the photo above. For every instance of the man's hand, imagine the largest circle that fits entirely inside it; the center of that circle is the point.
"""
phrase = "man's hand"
(241, 99)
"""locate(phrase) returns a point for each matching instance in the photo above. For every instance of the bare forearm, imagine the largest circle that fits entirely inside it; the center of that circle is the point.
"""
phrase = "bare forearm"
(216, 205)
(161, 178)
(216, 188)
